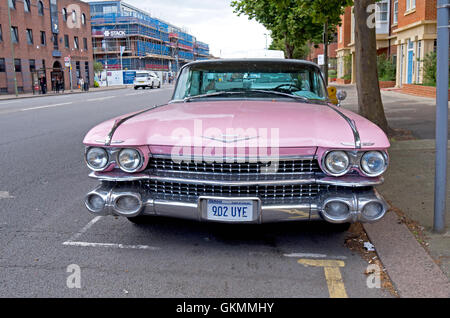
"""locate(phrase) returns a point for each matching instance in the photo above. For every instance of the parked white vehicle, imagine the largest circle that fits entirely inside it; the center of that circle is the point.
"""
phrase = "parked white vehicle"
(146, 79)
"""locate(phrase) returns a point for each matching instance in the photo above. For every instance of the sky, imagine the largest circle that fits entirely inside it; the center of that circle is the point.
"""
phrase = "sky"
(210, 21)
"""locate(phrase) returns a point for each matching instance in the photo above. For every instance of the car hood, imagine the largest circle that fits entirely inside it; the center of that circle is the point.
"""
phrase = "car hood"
(292, 124)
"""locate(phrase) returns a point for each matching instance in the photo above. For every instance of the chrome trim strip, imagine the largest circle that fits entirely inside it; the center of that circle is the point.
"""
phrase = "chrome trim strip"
(119, 122)
(352, 125)
(349, 181)
(203, 158)
(303, 211)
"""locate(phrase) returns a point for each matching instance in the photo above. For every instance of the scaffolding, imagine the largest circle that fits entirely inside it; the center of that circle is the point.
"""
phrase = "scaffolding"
(148, 43)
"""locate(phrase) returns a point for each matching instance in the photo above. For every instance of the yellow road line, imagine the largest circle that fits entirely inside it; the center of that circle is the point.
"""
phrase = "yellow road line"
(336, 287)
(335, 283)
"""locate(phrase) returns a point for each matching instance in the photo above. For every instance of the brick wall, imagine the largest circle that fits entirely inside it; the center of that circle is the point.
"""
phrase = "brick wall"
(425, 10)
(36, 51)
(419, 90)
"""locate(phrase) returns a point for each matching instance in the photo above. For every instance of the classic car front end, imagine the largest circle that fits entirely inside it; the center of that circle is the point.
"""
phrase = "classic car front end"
(180, 160)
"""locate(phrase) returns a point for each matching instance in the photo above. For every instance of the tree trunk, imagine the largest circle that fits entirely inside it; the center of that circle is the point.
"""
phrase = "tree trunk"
(369, 96)
(289, 49)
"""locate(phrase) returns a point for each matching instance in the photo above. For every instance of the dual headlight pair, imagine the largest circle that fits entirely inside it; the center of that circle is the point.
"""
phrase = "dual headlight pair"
(371, 163)
(129, 160)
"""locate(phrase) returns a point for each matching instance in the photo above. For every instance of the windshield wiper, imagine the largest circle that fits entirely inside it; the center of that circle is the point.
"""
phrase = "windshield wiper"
(279, 94)
(221, 93)
(224, 93)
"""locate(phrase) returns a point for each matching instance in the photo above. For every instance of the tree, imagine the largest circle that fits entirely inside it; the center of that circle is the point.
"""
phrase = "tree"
(284, 19)
(98, 67)
(299, 21)
(300, 52)
(369, 96)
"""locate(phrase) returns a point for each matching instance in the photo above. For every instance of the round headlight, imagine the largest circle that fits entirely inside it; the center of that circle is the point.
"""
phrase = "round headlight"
(373, 163)
(97, 159)
(337, 163)
(129, 160)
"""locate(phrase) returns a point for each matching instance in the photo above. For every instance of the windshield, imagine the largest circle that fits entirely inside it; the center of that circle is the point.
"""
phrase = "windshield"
(142, 75)
(297, 79)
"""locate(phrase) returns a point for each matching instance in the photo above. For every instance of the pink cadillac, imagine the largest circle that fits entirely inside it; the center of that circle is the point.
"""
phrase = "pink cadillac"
(246, 141)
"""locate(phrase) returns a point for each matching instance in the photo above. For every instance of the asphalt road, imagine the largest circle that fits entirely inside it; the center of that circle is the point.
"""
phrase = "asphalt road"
(43, 180)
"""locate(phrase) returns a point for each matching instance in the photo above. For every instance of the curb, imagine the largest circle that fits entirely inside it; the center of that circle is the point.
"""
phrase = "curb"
(62, 94)
(411, 269)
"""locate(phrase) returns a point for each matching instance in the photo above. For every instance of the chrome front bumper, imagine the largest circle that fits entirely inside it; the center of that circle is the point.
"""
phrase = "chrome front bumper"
(356, 200)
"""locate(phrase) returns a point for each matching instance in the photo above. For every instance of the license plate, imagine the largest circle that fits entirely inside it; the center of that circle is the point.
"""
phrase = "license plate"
(141, 82)
(230, 210)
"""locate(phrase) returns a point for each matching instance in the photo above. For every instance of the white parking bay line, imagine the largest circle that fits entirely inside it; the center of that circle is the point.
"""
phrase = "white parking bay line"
(71, 241)
(313, 256)
(46, 106)
(84, 229)
(109, 245)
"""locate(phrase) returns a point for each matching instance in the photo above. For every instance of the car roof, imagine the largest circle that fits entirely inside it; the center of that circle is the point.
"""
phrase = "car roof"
(251, 63)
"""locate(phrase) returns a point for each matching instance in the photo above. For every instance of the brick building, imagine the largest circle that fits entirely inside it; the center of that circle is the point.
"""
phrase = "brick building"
(406, 33)
(44, 33)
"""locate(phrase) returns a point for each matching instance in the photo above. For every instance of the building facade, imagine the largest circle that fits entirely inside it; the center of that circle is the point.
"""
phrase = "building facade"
(125, 37)
(405, 32)
(42, 37)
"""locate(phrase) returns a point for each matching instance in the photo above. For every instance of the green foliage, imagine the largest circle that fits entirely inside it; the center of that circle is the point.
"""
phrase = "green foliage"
(332, 73)
(98, 67)
(348, 66)
(430, 69)
(386, 68)
(347, 77)
(296, 22)
(96, 84)
(300, 52)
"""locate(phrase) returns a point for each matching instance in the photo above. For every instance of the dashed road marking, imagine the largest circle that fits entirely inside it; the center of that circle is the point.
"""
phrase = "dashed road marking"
(100, 98)
(336, 287)
(5, 195)
(46, 106)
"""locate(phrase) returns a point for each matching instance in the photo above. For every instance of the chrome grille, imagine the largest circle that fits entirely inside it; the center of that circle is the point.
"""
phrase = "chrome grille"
(282, 167)
(191, 192)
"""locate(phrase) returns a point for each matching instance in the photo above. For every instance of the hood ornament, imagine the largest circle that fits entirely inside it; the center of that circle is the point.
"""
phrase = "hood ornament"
(228, 139)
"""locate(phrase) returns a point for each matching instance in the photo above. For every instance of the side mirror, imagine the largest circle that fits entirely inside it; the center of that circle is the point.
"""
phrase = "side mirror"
(341, 95)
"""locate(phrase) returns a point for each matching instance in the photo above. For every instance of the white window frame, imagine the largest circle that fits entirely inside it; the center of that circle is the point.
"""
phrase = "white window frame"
(395, 19)
(379, 12)
(410, 5)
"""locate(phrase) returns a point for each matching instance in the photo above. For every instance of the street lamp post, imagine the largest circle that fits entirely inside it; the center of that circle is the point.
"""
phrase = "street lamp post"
(442, 82)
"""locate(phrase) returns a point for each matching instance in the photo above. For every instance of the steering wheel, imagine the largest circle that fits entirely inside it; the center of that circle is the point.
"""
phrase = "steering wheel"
(279, 87)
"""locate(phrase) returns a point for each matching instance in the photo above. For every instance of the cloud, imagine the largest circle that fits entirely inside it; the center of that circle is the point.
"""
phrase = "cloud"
(211, 21)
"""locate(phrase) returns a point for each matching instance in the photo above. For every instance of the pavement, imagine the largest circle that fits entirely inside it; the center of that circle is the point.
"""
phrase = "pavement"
(417, 261)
